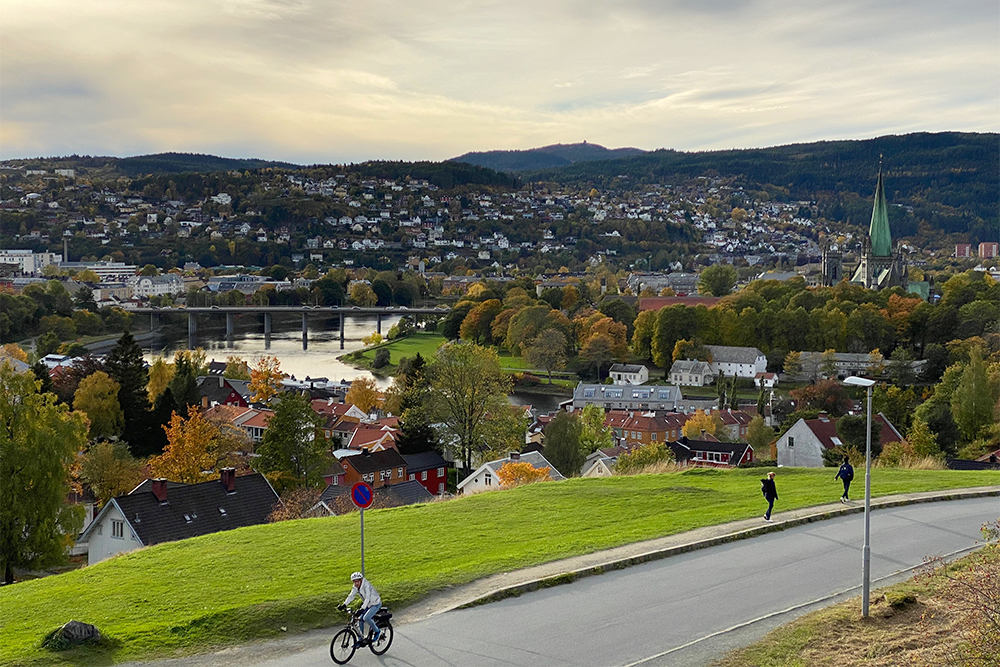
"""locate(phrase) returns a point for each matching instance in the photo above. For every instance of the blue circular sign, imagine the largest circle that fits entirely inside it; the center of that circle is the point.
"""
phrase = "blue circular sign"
(362, 495)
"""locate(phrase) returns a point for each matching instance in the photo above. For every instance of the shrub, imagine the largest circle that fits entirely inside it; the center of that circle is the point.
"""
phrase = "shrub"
(519, 473)
(381, 358)
(638, 458)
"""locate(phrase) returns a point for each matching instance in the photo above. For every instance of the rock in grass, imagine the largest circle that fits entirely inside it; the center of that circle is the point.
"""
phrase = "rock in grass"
(70, 635)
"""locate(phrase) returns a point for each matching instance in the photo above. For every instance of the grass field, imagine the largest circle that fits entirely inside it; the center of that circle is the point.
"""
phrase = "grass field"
(250, 583)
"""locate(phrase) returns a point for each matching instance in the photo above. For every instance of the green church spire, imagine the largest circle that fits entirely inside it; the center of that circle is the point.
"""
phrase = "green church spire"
(878, 232)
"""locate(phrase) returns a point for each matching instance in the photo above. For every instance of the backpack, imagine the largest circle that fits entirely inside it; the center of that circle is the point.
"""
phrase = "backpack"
(763, 487)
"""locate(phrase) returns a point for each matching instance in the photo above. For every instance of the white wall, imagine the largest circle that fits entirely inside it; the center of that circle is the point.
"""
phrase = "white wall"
(807, 451)
(102, 544)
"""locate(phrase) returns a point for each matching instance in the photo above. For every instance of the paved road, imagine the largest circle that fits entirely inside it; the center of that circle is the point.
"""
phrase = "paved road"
(666, 612)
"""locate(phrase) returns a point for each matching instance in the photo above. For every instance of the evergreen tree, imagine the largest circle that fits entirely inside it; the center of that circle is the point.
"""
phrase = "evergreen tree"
(415, 433)
(41, 372)
(293, 443)
(126, 367)
(184, 385)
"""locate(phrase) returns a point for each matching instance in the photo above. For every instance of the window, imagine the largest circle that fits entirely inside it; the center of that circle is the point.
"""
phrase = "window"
(117, 529)
(412, 477)
(652, 436)
(791, 441)
(836, 441)
(440, 472)
(588, 393)
(423, 476)
(385, 474)
(639, 435)
(100, 529)
(441, 488)
(488, 479)
(399, 473)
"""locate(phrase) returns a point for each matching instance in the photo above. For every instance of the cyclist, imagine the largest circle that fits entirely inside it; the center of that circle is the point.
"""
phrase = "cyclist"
(370, 604)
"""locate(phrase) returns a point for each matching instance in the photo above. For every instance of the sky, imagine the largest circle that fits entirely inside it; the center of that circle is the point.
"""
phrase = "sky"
(334, 81)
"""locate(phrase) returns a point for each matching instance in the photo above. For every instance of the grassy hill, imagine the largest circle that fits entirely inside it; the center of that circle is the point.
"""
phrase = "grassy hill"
(249, 583)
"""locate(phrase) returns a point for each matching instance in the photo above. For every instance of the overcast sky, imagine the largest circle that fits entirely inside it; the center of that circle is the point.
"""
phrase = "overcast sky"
(340, 81)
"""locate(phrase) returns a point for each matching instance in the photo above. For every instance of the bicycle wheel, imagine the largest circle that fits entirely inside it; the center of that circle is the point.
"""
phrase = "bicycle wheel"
(384, 641)
(342, 647)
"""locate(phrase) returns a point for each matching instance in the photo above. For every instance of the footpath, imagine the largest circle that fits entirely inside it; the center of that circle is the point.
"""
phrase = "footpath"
(511, 584)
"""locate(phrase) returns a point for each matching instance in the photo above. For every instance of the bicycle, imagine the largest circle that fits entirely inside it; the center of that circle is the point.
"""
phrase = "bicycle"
(348, 640)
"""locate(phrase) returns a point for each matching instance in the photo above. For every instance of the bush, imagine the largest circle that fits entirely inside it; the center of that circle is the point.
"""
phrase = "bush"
(381, 358)
(639, 458)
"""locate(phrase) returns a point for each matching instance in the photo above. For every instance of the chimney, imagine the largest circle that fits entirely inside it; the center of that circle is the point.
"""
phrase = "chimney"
(160, 489)
(222, 381)
(329, 401)
(515, 456)
(365, 452)
(228, 478)
(204, 402)
(702, 434)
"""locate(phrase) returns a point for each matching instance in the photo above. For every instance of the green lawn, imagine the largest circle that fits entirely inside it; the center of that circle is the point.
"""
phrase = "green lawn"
(248, 583)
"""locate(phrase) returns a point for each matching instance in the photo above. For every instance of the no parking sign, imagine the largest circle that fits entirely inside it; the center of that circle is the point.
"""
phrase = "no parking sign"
(362, 495)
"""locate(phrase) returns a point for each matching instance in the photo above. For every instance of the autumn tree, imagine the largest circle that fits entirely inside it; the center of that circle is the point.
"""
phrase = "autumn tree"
(876, 363)
(110, 470)
(828, 364)
(293, 443)
(236, 369)
(717, 280)
(562, 443)
(363, 394)
(467, 386)
(265, 379)
(598, 352)
(39, 440)
(826, 395)
(97, 397)
(793, 364)
(594, 434)
(922, 439)
(362, 295)
(548, 351)
(477, 325)
(519, 473)
(193, 452)
(642, 337)
(698, 422)
(161, 372)
(691, 349)
(640, 458)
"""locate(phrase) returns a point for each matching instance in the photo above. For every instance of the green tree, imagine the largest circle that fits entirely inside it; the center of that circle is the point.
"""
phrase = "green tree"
(828, 364)
(84, 299)
(853, 433)
(110, 470)
(793, 364)
(467, 387)
(415, 432)
(48, 343)
(973, 400)
(547, 351)
(598, 352)
(896, 404)
(901, 367)
(236, 369)
(184, 384)
(126, 367)
(293, 442)
(97, 397)
(922, 439)
(562, 443)
(759, 435)
(594, 434)
(717, 280)
(39, 440)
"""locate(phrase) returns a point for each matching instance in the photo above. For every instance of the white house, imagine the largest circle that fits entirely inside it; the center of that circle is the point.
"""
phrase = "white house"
(744, 362)
(146, 286)
(767, 380)
(629, 374)
(691, 373)
(803, 444)
(485, 477)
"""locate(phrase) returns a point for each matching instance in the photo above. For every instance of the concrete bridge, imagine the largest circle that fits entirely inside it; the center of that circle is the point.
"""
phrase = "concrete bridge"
(342, 312)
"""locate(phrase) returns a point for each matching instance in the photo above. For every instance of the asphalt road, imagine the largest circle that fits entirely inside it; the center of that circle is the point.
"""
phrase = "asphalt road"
(684, 610)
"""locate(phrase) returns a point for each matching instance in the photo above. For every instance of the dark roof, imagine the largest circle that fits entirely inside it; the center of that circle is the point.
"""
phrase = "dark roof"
(963, 464)
(407, 493)
(423, 461)
(196, 509)
(216, 367)
(374, 461)
(735, 449)
(208, 387)
(627, 368)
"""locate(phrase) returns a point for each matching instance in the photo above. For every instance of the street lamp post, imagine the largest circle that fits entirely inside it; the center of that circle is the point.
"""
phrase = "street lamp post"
(866, 554)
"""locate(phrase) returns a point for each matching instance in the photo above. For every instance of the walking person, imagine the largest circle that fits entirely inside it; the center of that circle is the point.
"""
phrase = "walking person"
(846, 475)
(770, 493)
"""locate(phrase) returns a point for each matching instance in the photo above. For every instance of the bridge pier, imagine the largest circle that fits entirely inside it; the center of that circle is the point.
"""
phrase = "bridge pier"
(378, 322)
(229, 329)
(192, 330)
(305, 331)
(342, 317)
(154, 321)
(267, 331)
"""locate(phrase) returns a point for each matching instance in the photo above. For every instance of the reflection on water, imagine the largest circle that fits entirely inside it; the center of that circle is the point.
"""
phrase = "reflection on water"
(248, 342)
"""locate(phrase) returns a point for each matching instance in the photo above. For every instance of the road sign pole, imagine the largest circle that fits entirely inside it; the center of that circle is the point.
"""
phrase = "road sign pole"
(362, 542)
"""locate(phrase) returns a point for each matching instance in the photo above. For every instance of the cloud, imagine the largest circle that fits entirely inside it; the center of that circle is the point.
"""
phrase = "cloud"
(336, 81)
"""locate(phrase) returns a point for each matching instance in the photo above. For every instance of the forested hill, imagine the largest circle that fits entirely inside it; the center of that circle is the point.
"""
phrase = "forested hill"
(949, 178)
(165, 163)
(546, 157)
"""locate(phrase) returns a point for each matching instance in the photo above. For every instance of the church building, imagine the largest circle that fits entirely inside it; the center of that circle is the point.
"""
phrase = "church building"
(880, 267)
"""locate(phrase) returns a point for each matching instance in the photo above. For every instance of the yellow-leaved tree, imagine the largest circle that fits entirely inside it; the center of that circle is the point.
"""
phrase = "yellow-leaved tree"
(518, 473)
(363, 394)
(161, 372)
(194, 451)
(698, 422)
(265, 379)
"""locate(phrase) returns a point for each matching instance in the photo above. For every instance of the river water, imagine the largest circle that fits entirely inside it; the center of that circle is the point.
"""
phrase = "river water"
(318, 360)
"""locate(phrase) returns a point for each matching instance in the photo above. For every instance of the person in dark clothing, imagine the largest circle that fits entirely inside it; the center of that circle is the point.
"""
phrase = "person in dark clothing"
(846, 475)
(770, 493)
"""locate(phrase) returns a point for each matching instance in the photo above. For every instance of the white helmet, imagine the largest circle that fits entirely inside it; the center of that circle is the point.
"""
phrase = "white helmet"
(356, 576)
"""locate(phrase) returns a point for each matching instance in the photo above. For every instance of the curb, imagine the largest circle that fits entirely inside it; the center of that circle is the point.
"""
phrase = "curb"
(570, 576)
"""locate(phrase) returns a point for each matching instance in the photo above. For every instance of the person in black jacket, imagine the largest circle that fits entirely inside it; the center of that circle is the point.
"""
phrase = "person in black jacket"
(770, 493)
(846, 475)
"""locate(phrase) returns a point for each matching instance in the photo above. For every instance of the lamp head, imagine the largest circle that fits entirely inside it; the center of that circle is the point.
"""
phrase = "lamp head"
(858, 381)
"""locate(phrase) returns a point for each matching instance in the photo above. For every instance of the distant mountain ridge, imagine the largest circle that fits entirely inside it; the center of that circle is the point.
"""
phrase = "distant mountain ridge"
(546, 157)
(156, 163)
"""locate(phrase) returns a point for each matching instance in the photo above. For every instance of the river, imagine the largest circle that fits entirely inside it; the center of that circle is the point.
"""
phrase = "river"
(319, 360)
